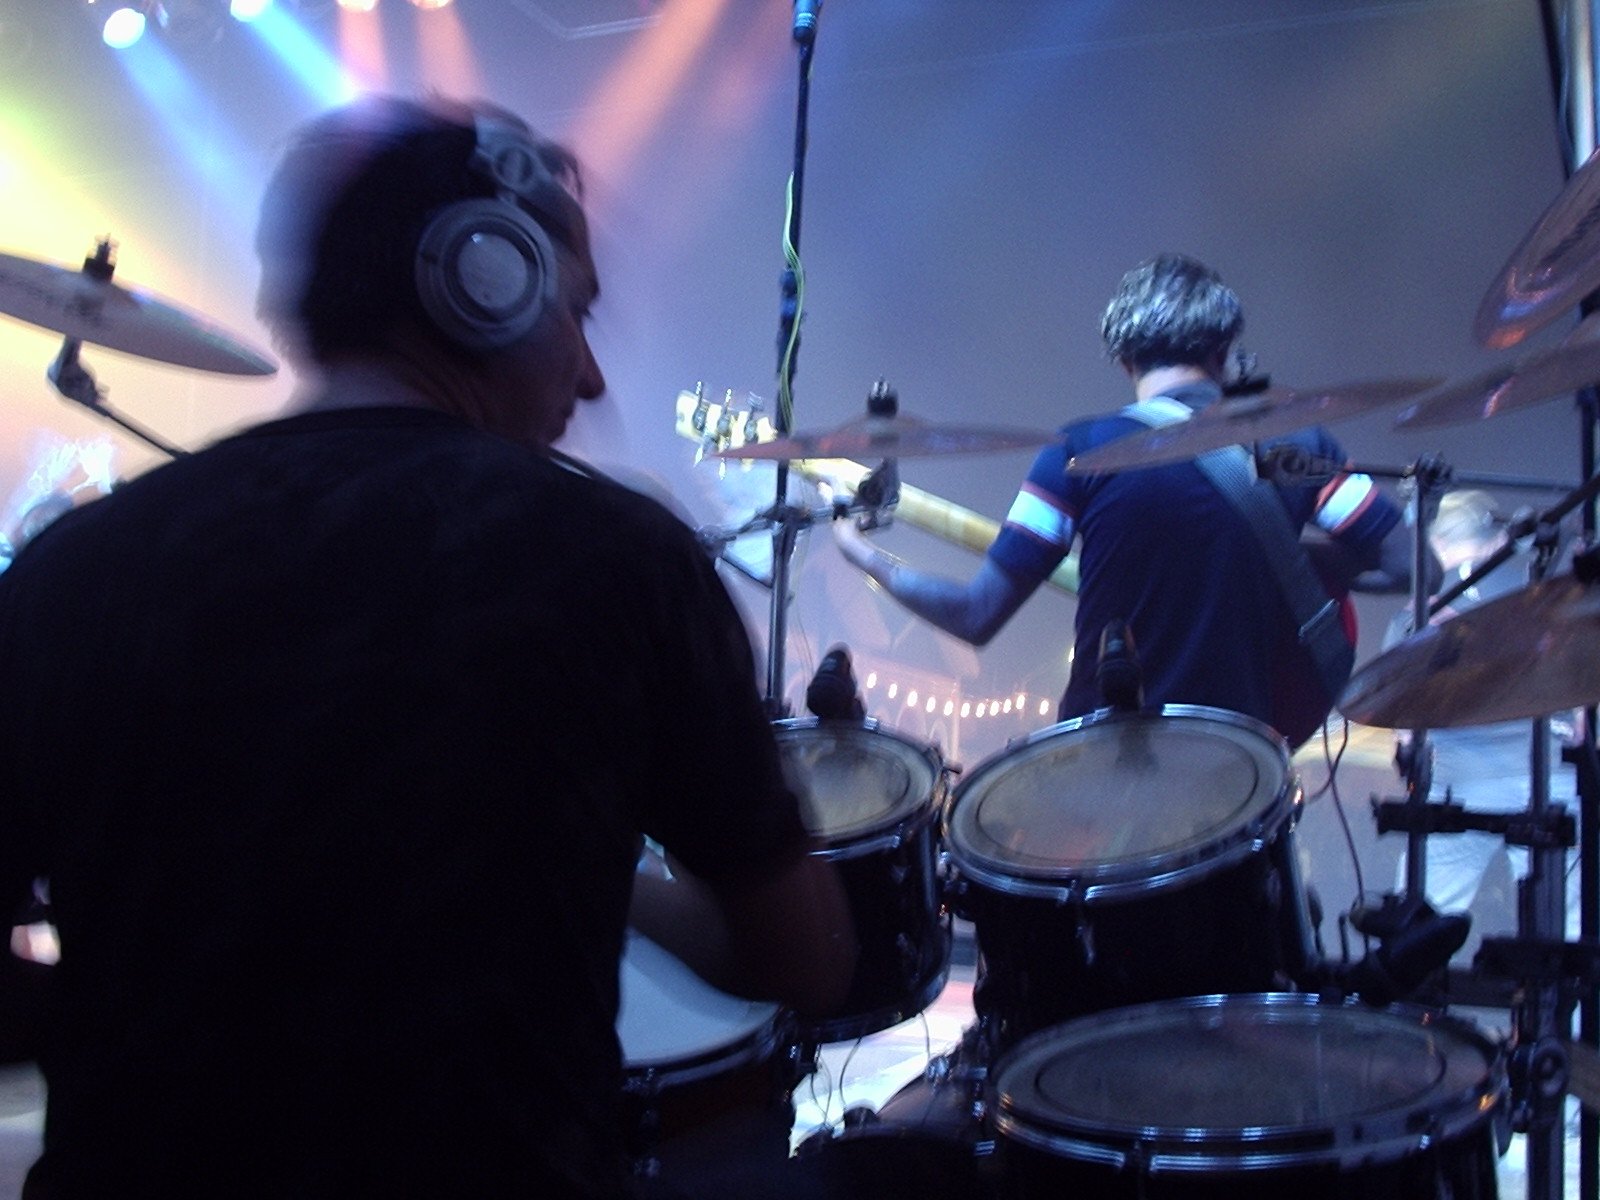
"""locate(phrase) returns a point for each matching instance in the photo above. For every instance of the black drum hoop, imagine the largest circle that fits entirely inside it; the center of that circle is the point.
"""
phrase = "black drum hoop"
(1124, 880)
(1375, 1139)
(898, 826)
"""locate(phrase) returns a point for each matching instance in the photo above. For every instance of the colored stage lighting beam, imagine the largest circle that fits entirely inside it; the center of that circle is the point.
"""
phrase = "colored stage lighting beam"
(305, 58)
(188, 118)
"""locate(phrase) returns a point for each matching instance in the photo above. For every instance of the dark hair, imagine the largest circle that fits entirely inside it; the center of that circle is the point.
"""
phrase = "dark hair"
(346, 207)
(1171, 311)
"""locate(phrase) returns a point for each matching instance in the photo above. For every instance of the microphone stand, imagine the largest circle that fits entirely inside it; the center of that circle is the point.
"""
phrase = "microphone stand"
(787, 521)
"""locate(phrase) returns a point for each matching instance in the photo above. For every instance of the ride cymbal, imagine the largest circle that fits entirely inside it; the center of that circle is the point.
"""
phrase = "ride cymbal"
(1552, 269)
(1527, 654)
(874, 436)
(1574, 364)
(85, 306)
(1241, 420)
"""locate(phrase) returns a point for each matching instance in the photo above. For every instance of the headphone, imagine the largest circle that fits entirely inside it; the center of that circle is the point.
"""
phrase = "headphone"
(485, 268)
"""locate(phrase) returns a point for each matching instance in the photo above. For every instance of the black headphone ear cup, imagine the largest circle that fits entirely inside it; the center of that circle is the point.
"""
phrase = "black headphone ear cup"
(485, 270)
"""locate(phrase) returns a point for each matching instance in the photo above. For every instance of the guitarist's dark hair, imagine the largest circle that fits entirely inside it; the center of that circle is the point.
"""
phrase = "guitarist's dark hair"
(1171, 311)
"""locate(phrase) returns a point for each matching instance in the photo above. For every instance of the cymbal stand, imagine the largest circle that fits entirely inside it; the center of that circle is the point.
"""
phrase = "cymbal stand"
(1542, 1012)
(73, 380)
(1548, 974)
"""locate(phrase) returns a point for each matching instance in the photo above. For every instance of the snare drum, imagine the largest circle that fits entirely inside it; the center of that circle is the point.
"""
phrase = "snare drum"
(1246, 1097)
(870, 796)
(693, 1057)
(1121, 858)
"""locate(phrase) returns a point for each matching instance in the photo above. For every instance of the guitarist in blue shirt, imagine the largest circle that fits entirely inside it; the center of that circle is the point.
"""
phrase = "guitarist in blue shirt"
(1163, 548)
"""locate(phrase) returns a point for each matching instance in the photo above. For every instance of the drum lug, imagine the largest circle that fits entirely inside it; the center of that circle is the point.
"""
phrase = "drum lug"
(1085, 929)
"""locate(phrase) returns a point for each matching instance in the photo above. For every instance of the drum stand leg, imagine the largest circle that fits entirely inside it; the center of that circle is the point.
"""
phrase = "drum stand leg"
(1551, 975)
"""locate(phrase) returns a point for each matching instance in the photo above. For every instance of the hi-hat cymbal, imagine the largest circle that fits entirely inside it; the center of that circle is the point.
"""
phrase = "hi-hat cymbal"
(83, 306)
(1528, 654)
(901, 436)
(1538, 376)
(1553, 268)
(1240, 420)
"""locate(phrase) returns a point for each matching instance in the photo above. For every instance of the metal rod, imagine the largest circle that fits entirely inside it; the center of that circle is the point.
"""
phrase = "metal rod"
(784, 534)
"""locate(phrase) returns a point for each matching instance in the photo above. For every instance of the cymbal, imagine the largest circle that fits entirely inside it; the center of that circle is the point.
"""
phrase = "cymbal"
(1527, 654)
(1573, 364)
(1554, 267)
(81, 306)
(1236, 420)
(900, 436)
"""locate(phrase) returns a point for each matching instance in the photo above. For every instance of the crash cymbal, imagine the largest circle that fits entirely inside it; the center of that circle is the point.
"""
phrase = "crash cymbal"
(1236, 420)
(79, 304)
(1528, 654)
(900, 436)
(1553, 371)
(1553, 268)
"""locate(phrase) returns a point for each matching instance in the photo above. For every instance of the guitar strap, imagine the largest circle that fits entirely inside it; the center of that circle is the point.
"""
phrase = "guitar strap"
(1316, 616)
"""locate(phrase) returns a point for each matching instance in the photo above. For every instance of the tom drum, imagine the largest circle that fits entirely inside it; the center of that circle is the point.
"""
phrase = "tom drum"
(872, 797)
(1122, 858)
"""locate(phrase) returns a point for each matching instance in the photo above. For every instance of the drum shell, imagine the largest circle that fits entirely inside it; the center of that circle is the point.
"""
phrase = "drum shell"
(872, 800)
(1226, 912)
(1427, 1119)
(699, 1066)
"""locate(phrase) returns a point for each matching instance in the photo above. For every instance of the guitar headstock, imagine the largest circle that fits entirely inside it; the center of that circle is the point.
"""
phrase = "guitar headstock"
(724, 426)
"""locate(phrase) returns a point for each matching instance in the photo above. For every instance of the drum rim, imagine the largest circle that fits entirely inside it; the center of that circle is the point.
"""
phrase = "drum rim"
(753, 1036)
(755, 1046)
(896, 825)
(1125, 877)
(1381, 1136)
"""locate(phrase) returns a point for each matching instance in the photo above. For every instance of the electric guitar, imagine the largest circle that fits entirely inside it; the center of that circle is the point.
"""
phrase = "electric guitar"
(725, 427)
(1299, 704)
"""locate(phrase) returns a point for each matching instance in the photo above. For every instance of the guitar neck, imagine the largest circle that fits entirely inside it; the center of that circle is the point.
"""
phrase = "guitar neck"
(721, 425)
(929, 513)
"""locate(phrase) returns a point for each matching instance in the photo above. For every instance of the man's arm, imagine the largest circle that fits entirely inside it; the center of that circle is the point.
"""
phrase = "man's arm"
(973, 611)
(24, 998)
(784, 934)
(1344, 550)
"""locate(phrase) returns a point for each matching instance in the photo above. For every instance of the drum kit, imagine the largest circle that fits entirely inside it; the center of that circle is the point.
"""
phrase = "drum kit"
(1156, 1017)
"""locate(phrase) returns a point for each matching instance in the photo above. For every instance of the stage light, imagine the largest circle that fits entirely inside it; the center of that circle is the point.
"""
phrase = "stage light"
(246, 11)
(123, 27)
(358, 5)
(427, 4)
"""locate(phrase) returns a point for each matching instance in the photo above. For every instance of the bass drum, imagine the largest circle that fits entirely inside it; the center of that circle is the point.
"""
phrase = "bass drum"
(871, 798)
(1122, 858)
(1252, 1098)
(706, 1076)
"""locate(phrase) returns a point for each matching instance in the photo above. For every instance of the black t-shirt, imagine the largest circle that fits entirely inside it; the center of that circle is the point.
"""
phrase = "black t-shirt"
(335, 743)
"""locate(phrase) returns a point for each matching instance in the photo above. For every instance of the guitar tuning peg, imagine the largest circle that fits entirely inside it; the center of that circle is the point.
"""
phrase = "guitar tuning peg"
(701, 407)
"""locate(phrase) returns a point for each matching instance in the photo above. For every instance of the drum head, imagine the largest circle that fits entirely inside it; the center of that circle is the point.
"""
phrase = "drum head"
(854, 779)
(1117, 797)
(670, 1017)
(1251, 1079)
